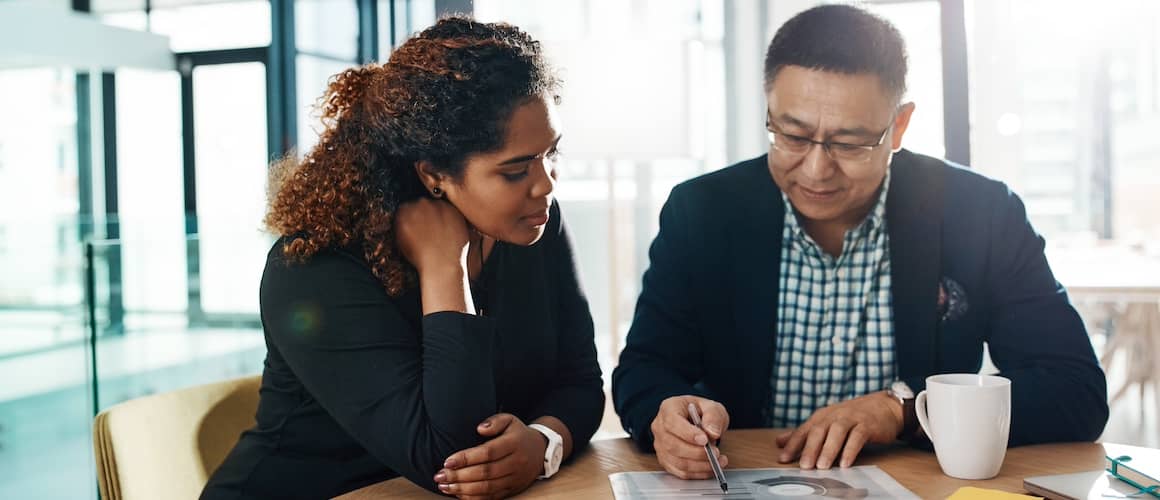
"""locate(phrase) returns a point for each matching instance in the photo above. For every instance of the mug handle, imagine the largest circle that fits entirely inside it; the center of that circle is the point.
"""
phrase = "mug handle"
(920, 411)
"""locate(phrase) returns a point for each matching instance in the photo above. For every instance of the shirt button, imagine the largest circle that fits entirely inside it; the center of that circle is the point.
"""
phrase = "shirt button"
(837, 340)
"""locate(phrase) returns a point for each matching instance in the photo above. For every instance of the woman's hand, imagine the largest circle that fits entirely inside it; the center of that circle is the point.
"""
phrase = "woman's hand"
(432, 235)
(505, 465)
(434, 238)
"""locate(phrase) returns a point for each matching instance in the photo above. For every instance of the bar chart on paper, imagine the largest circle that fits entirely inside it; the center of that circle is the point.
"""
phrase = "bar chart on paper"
(867, 482)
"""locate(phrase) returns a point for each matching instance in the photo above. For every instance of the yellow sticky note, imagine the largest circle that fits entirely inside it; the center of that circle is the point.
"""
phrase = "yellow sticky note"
(973, 493)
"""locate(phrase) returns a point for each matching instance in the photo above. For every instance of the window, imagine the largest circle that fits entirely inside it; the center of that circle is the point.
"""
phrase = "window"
(38, 189)
(230, 132)
(150, 196)
(1078, 95)
(920, 27)
(211, 26)
(327, 28)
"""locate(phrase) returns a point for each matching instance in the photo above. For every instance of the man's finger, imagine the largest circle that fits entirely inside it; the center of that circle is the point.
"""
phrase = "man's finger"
(673, 446)
(793, 444)
(687, 469)
(813, 445)
(832, 446)
(714, 418)
(783, 438)
(677, 472)
(679, 426)
(692, 469)
(854, 445)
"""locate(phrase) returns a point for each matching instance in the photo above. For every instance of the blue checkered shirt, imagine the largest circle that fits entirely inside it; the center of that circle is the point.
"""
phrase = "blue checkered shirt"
(835, 331)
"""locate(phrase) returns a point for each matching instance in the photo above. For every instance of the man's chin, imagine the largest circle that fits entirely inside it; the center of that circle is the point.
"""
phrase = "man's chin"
(817, 212)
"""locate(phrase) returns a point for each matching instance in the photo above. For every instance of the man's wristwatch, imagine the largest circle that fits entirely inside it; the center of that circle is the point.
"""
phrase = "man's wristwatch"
(905, 396)
(554, 454)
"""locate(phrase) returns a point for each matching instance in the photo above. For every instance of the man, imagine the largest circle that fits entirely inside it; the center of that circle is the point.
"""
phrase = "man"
(816, 287)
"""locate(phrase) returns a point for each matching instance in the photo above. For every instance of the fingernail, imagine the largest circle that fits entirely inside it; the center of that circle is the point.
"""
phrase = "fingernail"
(823, 464)
(485, 424)
(701, 439)
(845, 464)
(805, 464)
(714, 430)
(451, 463)
(441, 477)
(445, 488)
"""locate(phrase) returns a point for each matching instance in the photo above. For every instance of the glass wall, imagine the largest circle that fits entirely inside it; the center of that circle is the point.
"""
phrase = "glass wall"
(150, 194)
(327, 43)
(1066, 112)
(58, 159)
(230, 146)
(38, 175)
(193, 26)
(918, 21)
(42, 355)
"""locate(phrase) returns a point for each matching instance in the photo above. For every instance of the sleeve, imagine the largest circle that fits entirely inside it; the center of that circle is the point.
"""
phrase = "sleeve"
(660, 357)
(410, 398)
(577, 398)
(1037, 340)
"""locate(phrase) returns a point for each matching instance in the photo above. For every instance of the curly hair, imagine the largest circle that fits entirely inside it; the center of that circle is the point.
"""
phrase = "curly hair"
(443, 95)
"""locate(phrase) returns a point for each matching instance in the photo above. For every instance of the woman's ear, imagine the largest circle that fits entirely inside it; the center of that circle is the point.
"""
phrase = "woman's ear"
(431, 179)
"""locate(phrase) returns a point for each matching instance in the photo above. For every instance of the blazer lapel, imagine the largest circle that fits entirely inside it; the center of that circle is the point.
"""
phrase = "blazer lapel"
(914, 221)
(756, 254)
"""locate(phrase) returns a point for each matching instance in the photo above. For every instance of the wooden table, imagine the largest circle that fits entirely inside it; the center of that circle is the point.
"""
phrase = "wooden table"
(918, 471)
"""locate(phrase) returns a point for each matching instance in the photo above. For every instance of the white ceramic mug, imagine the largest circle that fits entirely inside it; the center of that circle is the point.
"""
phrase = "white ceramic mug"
(968, 418)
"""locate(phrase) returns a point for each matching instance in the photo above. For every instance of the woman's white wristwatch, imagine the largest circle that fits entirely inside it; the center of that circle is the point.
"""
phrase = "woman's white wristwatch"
(554, 454)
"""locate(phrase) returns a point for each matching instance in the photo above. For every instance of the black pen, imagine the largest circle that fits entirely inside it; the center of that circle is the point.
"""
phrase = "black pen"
(709, 450)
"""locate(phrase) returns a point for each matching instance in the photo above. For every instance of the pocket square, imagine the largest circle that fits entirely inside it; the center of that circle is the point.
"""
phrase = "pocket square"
(952, 300)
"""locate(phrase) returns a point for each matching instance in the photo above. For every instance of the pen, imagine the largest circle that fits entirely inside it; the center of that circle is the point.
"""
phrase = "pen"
(709, 451)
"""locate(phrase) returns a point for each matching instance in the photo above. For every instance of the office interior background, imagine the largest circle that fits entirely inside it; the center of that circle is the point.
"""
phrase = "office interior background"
(135, 137)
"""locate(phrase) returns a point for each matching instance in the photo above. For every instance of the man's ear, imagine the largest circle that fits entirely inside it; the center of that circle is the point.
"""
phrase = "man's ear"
(901, 122)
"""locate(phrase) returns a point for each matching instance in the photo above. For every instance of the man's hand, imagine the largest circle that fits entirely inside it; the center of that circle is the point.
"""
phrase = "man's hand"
(505, 465)
(842, 430)
(680, 445)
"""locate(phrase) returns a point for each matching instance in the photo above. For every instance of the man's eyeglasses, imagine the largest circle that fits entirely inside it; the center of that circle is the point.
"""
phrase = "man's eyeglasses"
(794, 146)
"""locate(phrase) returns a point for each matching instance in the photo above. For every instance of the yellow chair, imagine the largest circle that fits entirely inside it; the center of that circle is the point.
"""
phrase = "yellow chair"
(166, 445)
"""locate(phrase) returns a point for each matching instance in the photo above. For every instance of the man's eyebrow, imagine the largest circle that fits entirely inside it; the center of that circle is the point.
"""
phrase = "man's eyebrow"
(858, 131)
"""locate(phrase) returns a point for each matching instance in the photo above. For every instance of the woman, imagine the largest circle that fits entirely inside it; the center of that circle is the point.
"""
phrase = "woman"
(421, 309)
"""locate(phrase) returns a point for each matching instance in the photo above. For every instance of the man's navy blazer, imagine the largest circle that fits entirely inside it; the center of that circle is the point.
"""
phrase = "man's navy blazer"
(706, 319)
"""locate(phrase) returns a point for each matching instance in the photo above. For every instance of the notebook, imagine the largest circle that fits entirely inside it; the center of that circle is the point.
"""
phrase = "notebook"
(1139, 467)
(1090, 485)
(1128, 470)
